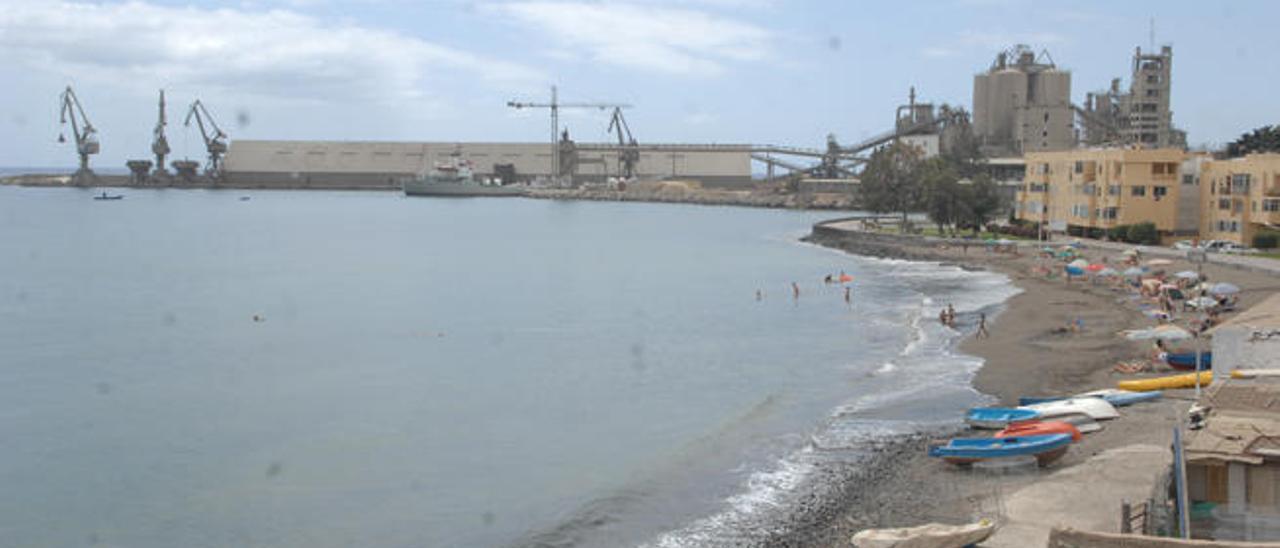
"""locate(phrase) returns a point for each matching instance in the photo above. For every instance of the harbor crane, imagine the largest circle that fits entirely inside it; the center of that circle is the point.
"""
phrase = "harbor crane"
(629, 153)
(86, 137)
(214, 139)
(555, 105)
(159, 144)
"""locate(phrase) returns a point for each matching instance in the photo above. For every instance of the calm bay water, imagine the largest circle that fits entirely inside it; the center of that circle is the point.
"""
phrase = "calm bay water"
(429, 372)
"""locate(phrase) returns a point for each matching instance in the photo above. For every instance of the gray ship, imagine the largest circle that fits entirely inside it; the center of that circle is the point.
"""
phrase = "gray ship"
(455, 178)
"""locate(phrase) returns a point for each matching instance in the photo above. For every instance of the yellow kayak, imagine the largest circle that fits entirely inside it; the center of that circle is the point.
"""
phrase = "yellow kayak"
(1187, 380)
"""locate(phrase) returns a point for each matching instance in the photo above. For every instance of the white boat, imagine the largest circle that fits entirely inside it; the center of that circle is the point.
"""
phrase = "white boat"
(1094, 408)
(933, 535)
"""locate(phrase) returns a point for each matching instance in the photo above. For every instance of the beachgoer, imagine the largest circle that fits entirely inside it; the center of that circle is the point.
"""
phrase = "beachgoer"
(951, 315)
(982, 325)
(795, 290)
(827, 279)
(759, 295)
(847, 298)
(942, 316)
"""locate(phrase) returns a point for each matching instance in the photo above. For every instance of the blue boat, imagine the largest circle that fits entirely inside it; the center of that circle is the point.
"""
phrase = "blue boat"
(1029, 400)
(1186, 361)
(996, 418)
(1121, 399)
(1045, 448)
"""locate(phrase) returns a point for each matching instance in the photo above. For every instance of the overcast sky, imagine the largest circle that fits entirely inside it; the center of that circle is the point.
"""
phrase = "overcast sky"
(742, 71)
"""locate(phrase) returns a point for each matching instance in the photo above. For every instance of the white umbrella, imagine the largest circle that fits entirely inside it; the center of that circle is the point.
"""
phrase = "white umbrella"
(1202, 303)
(1188, 275)
(1224, 288)
(1163, 333)
(1130, 252)
(1133, 271)
(1108, 272)
(1079, 263)
(1004, 241)
(1159, 262)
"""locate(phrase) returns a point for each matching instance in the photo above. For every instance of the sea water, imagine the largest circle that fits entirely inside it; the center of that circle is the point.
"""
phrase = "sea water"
(193, 368)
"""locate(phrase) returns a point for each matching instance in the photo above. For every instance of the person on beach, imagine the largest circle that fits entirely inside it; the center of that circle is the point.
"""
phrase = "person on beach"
(847, 299)
(951, 315)
(827, 280)
(942, 316)
(795, 291)
(759, 295)
(982, 325)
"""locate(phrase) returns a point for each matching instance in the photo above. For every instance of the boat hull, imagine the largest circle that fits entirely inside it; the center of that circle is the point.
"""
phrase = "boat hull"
(459, 189)
(1187, 380)
(995, 418)
(1094, 408)
(1040, 428)
(1186, 361)
(1045, 448)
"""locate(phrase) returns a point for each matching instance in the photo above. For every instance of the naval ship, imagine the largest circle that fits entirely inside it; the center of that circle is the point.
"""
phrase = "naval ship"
(455, 178)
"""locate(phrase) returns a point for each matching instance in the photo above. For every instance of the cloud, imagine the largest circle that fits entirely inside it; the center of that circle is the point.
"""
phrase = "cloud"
(271, 53)
(990, 42)
(651, 37)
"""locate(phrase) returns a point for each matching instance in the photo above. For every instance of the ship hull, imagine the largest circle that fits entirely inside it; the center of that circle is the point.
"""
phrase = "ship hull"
(425, 188)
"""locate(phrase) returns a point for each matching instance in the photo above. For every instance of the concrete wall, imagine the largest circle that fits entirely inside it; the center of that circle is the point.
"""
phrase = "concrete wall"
(371, 161)
(1233, 349)
(1070, 538)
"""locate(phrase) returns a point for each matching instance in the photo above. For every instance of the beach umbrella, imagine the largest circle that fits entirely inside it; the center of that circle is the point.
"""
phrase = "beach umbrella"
(1159, 262)
(1188, 275)
(1004, 241)
(1108, 272)
(1162, 333)
(1079, 263)
(1133, 271)
(1095, 267)
(1224, 288)
(1130, 252)
(1073, 270)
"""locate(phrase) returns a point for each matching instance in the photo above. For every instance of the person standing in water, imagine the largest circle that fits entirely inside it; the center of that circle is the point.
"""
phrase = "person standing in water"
(795, 291)
(982, 325)
(759, 295)
(847, 298)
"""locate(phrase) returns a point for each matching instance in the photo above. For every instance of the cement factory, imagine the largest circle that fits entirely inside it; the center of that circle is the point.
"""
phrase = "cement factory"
(1021, 104)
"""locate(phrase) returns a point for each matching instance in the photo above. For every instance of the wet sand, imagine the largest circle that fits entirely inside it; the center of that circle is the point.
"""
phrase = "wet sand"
(1030, 352)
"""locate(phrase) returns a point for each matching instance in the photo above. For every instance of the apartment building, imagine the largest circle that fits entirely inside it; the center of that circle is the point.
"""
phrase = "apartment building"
(1088, 190)
(1240, 197)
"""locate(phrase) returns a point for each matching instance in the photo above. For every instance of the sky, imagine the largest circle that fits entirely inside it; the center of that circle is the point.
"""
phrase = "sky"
(723, 71)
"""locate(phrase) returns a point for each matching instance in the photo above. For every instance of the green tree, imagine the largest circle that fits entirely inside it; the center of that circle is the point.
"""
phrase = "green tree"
(982, 201)
(1263, 139)
(942, 192)
(890, 181)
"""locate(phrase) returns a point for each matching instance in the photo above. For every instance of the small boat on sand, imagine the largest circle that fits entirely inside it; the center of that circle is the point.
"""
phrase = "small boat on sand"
(1186, 380)
(1186, 361)
(1121, 398)
(1046, 448)
(1254, 373)
(1094, 408)
(932, 535)
(995, 418)
(1036, 428)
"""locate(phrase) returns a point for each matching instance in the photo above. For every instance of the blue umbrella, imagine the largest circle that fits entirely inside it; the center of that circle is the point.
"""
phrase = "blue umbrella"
(1074, 270)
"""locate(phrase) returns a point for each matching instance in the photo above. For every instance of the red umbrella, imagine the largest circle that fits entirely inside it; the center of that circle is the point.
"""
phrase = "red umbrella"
(1095, 267)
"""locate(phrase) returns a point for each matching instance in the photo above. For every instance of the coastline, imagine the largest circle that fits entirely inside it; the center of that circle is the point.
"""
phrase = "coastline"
(1029, 353)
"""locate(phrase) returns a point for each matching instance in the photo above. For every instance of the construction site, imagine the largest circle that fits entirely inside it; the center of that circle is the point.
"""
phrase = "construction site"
(1021, 104)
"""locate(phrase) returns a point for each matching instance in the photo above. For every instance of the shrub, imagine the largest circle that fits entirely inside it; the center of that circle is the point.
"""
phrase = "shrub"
(1143, 233)
(1266, 240)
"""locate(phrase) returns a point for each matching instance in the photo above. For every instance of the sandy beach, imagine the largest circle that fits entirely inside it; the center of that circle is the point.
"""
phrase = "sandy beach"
(1031, 351)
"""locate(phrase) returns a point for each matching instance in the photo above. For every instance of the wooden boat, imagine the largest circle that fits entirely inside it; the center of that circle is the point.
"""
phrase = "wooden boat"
(1186, 380)
(1036, 428)
(1186, 361)
(1045, 448)
(1095, 408)
(932, 535)
(995, 418)
(105, 196)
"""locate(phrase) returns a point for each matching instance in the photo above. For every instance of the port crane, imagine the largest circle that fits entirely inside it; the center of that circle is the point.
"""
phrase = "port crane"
(159, 144)
(555, 105)
(214, 139)
(86, 137)
(629, 150)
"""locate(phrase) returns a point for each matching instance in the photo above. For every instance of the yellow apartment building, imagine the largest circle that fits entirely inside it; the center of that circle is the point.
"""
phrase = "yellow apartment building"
(1088, 190)
(1240, 197)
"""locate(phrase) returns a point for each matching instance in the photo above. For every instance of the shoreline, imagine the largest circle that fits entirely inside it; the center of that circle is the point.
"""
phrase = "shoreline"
(1029, 352)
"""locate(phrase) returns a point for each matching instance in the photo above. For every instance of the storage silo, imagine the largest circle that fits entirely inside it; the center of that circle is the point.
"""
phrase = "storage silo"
(1007, 93)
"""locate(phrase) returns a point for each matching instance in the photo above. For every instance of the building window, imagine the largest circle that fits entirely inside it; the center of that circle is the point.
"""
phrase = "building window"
(1138, 190)
(1110, 213)
(1113, 190)
(1271, 204)
(1188, 179)
(1079, 166)
(1240, 183)
(1159, 191)
(1224, 203)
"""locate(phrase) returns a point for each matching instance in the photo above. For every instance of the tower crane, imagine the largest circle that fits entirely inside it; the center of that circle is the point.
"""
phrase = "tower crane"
(629, 155)
(555, 105)
(86, 136)
(214, 139)
(159, 144)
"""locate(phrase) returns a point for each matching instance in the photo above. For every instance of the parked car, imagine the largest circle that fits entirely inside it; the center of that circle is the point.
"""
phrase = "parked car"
(1184, 245)
(1226, 246)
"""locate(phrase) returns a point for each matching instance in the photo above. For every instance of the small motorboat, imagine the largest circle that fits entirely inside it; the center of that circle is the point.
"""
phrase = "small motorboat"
(995, 418)
(1032, 400)
(1045, 448)
(932, 535)
(1186, 361)
(1254, 373)
(1036, 428)
(1095, 408)
(105, 196)
(1186, 380)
